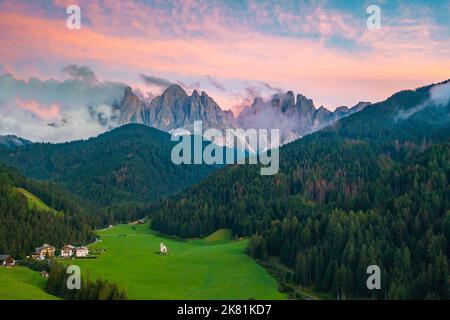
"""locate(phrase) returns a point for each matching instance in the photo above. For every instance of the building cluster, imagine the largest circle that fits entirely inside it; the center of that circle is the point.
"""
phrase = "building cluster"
(68, 251)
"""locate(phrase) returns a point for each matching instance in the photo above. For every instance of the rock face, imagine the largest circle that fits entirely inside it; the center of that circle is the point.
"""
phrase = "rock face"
(132, 109)
(295, 116)
(174, 109)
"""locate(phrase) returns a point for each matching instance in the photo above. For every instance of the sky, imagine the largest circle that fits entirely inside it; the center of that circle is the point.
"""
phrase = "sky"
(233, 50)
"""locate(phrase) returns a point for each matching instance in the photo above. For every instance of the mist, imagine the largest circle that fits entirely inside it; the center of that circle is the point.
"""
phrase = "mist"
(57, 111)
(439, 96)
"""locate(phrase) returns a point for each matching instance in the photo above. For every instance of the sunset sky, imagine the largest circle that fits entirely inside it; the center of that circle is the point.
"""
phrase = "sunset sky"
(233, 50)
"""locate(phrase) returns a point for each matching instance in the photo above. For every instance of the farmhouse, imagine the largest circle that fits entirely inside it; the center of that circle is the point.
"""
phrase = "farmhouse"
(44, 251)
(44, 274)
(81, 252)
(7, 260)
(67, 251)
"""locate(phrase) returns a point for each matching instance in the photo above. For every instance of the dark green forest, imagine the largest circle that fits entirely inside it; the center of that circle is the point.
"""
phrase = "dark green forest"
(371, 189)
(122, 167)
(23, 228)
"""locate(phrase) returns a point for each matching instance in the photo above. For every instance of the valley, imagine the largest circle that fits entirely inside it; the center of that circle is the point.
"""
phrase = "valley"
(215, 267)
(370, 189)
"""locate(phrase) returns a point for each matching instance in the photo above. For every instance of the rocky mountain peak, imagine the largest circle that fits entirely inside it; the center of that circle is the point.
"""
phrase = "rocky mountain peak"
(175, 91)
(129, 98)
(295, 117)
(276, 101)
(288, 102)
(305, 105)
(174, 109)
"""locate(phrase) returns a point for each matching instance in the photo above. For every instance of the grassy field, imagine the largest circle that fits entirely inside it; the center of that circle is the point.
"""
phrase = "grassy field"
(34, 201)
(210, 268)
(20, 283)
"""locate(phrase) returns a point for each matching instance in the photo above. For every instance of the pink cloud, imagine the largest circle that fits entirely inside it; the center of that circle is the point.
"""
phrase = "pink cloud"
(127, 37)
(43, 112)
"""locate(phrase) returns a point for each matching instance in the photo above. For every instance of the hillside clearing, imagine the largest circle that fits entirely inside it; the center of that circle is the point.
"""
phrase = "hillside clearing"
(34, 201)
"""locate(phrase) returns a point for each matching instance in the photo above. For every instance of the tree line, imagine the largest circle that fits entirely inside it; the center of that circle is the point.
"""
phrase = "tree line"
(98, 289)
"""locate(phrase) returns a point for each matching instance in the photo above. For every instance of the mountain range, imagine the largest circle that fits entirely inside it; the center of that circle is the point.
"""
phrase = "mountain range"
(295, 117)
(175, 109)
(371, 188)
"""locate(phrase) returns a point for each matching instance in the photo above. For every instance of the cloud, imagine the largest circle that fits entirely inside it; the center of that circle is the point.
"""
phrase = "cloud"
(58, 111)
(78, 125)
(270, 87)
(155, 81)
(245, 98)
(287, 45)
(189, 87)
(216, 83)
(43, 112)
(440, 94)
(81, 73)
(263, 115)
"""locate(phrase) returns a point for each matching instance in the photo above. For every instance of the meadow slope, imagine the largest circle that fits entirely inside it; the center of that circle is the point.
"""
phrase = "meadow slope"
(211, 268)
(20, 283)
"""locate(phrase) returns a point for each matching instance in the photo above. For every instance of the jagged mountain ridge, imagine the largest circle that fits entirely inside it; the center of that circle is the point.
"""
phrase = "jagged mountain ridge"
(295, 117)
(175, 109)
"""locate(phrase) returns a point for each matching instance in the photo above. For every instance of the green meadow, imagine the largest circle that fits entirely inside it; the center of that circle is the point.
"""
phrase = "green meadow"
(20, 283)
(211, 268)
(34, 201)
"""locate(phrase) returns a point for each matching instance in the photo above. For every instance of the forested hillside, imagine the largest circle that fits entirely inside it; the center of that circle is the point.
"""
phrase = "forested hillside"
(22, 228)
(371, 189)
(124, 166)
(404, 230)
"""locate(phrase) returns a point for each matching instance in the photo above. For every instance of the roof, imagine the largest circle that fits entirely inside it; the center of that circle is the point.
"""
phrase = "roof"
(45, 245)
(68, 246)
(81, 248)
(4, 256)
